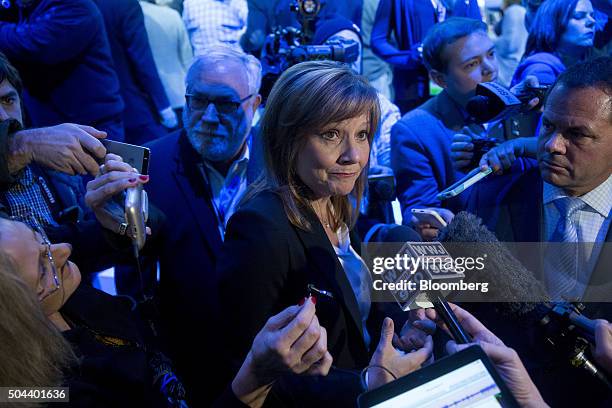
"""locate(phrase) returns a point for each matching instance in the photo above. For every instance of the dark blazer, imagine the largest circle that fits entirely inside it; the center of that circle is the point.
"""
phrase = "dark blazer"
(187, 253)
(265, 266)
(511, 206)
(108, 375)
(420, 154)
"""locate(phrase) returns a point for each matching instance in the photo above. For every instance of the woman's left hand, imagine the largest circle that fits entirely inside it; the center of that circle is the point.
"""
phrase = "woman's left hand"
(114, 177)
(396, 361)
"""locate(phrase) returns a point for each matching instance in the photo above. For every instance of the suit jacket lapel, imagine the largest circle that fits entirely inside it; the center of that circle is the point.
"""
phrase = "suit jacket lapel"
(320, 251)
(600, 283)
(191, 183)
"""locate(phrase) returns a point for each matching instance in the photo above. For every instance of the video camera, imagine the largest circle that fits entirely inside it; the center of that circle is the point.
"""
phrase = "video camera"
(288, 46)
(495, 103)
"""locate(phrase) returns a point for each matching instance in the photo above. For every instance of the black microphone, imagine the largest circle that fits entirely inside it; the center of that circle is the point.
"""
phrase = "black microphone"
(493, 102)
(511, 284)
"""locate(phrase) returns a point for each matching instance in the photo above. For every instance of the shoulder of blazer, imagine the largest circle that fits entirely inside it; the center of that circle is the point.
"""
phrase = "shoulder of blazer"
(267, 205)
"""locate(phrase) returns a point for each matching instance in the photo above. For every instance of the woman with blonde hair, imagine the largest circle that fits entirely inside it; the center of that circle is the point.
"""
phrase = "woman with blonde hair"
(33, 353)
(292, 235)
(45, 314)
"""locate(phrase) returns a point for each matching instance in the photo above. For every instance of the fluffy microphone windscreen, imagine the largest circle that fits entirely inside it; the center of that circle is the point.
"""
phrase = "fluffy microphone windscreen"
(510, 283)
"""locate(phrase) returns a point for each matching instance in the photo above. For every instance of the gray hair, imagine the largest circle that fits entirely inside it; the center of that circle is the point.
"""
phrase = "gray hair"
(217, 53)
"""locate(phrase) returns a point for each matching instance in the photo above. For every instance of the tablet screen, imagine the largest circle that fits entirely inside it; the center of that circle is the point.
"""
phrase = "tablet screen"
(468, 386)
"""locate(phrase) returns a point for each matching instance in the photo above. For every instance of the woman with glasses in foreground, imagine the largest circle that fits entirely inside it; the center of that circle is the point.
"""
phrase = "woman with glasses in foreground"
(51, 318)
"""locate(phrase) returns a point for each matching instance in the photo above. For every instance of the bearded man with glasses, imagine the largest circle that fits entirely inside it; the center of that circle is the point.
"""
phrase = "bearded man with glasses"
(197, 177)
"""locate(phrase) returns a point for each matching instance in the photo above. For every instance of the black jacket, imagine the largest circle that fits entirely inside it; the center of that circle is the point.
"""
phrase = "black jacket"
(265, 266)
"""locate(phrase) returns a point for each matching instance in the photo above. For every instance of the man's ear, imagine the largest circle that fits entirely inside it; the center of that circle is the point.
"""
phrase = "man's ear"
(438, 78)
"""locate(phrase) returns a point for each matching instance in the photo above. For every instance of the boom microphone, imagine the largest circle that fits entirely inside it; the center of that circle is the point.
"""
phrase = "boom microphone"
(511, 283)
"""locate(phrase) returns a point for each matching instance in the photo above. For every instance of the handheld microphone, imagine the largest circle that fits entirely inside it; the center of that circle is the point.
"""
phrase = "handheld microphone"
(430, 260)
(136, 214)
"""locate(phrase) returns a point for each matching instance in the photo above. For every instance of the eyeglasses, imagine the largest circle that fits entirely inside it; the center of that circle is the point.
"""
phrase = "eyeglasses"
(199, 102)
(48, 272)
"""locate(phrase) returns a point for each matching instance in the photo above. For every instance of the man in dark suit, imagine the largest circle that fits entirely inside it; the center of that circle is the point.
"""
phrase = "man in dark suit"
(459, 55)
(147, 108)
(198, 176)
(565, 198)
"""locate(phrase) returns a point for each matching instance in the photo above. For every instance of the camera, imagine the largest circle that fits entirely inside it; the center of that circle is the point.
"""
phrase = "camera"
(288, 46)
(493, 102)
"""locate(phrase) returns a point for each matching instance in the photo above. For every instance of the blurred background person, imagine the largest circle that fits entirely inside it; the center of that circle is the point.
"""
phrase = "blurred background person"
(171, 50)
(397, 35)
(197, 177)
(211, 22)
(459, 55)
(68, 78)
(147, 114)
(378, 72)
(511, 41)
(561, 34)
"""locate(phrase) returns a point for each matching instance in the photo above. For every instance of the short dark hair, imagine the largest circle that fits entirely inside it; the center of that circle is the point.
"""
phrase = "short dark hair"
(446, 33)
(595, 73)
(8, 72)
(549, 24)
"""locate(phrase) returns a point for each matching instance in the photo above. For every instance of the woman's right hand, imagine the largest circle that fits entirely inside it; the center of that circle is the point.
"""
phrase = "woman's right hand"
(290, 342)
(394, 360)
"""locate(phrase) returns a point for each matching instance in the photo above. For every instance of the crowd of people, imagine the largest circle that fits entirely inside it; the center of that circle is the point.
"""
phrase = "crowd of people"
(253, 288)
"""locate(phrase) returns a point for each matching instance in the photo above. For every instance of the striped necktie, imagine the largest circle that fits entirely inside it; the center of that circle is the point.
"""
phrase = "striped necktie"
(563, 274)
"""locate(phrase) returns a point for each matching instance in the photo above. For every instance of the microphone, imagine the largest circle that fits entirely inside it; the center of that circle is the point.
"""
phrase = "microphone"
(513, 285)
(493, 102)
(429, 260)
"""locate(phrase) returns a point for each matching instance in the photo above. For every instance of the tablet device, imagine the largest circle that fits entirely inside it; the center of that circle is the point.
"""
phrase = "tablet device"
(464, 379)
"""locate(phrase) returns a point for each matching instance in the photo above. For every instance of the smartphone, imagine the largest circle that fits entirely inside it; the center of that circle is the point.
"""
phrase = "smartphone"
(135, 156)
(430, 217)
